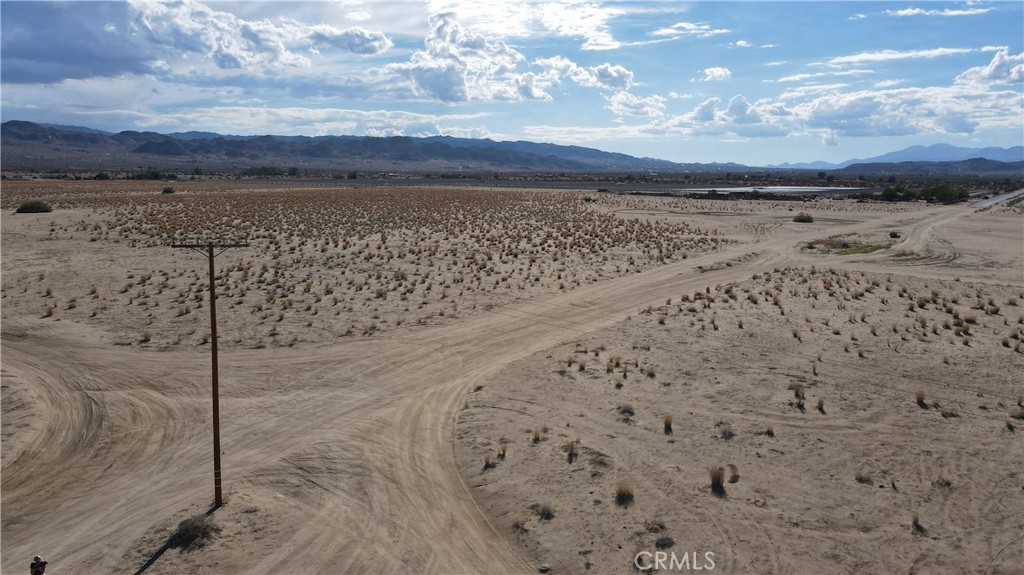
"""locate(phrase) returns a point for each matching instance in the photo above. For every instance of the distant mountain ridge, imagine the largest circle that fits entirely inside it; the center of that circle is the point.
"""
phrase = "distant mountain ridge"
(28, 145)
(954, 168)
(932, 153)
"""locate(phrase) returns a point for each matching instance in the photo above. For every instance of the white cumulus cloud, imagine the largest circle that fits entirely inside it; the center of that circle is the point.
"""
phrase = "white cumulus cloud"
(576, 18)
(608, 76)
(626, 104)
(698, 30)
(1004, 68)
(233, 42)
(716, 73)
(459, 65)
(585, 19)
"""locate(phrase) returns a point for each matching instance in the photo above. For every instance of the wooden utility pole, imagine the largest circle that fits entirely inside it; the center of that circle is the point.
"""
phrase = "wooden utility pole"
(208, 248)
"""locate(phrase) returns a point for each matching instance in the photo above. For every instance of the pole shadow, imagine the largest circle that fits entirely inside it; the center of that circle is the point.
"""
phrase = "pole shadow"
(163, 549)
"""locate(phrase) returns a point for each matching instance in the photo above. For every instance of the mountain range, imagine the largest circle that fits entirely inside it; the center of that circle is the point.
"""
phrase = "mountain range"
(29, 145)
(933, 153)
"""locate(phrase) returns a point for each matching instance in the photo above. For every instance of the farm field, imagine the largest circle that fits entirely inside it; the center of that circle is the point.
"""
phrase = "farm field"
(468, 380)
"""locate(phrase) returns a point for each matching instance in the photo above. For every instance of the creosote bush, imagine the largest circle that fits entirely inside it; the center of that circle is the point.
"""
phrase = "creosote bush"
(545, 512)
(624, 494)
(734, 473)
(717, 475)
(803, 218)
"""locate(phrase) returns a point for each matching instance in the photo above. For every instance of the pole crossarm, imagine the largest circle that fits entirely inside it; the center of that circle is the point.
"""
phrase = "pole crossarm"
(199, 244)
(207, 248)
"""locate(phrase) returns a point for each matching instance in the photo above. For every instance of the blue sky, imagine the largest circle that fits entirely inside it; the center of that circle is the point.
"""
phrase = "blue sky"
(751, 82)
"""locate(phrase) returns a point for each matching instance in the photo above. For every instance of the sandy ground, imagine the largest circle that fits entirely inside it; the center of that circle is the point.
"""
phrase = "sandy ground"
(348, 449)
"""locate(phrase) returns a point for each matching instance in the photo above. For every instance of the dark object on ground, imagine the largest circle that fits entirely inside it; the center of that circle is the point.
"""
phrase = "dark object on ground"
(33, 207)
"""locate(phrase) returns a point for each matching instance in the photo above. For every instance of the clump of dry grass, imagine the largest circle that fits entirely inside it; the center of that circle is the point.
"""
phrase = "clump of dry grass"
(821, 405)
(571, 452)
(664, 542)
(798, 390)
(489, 462)
(916, 526)
(624, 494)
(717, 475)
(734, 473)
(544, 511)
(667, 421)
(919, 397)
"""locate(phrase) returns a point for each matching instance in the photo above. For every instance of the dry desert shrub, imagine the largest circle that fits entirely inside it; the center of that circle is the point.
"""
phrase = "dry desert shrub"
(916, 526)
(544, 511)
(797, 389)
(919, 398)
(571, 451)
(667, 421)
(392, 243)
(717, 475)
(624, 494)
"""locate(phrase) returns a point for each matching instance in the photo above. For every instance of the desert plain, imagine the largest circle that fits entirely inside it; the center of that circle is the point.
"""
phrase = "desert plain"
(473, 380)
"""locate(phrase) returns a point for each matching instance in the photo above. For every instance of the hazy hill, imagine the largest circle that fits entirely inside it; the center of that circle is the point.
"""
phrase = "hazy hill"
(28, 145)
(962, 167)
(933, 153)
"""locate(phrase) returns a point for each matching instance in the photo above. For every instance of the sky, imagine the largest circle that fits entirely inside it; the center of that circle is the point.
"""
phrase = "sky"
(756, 83)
